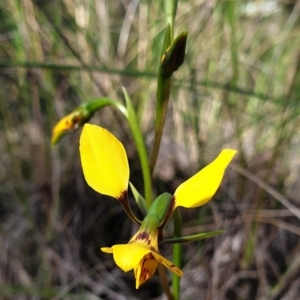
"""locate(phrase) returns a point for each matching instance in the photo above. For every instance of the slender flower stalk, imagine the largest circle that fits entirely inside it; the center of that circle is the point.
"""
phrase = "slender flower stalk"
(177, 253)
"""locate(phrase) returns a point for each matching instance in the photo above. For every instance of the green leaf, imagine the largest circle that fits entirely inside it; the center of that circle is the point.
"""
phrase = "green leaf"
(140, 200)
(141, 147)
(194, 237)
(170, 11)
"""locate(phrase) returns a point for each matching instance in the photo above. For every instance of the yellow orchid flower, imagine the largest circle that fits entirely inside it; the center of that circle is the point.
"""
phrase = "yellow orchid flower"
(141, 254)
(68, 123)
(106, 170)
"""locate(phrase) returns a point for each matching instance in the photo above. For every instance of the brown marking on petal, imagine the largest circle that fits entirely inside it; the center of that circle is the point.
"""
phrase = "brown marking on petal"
(144, 236)
(152, 248)
(123, 198)
(177, 270)
(145, 274)
(77, 120)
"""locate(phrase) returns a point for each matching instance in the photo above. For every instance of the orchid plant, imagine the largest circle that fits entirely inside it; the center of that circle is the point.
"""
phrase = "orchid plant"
(106, 170)
(105, 167)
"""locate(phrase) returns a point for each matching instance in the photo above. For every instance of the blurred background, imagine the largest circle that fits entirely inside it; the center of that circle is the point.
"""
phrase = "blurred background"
(239, 87)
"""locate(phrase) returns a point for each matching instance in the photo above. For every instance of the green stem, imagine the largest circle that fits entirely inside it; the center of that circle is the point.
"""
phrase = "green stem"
(162, 94)
(141, 148)
(172, 58)
(98, 103)
(164, 281)
(170, 12)
(177, 252)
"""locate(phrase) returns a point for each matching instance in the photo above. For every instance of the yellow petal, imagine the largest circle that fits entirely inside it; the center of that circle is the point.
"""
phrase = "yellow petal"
(128, 256)
(66, 124)
(145, 269)
(149, 239)
(167, 263)
(107, 250)
(200, 188)
(104, 161)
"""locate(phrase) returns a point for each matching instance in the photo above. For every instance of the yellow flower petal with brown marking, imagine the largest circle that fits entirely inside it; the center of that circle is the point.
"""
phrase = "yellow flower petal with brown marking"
(65, 125)
(142, 255)
(145, 269)
(168, 264)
